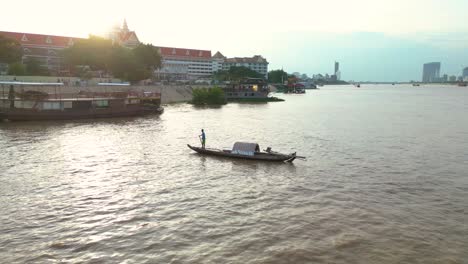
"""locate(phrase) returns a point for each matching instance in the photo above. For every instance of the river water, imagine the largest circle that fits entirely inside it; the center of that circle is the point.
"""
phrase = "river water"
(385, 181)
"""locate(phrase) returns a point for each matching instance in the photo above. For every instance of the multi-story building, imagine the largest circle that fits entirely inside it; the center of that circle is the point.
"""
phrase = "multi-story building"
(185, 64)
(444, 78)
(218, 60)
(465, 72)
(256, 63)
(337, 71)
(431, 72)
(43, 48)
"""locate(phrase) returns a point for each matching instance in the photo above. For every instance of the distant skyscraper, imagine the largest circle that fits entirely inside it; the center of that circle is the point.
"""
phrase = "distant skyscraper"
(337, 67)
(465, 72)
(431, 72)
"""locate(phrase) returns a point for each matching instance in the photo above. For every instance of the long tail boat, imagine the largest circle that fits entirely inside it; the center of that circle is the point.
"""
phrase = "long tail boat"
(248, 151)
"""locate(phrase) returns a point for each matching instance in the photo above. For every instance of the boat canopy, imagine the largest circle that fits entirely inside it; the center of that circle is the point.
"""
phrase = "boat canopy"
(244, 148)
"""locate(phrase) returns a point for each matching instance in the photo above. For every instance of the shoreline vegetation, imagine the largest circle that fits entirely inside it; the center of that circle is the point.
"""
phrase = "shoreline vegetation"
(208, 96)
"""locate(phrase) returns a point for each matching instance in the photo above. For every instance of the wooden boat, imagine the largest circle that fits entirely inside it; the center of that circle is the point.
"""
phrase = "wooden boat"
(248, 151)
(27, 104)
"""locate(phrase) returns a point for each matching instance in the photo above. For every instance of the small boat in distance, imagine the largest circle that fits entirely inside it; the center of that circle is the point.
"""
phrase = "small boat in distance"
(248, 151)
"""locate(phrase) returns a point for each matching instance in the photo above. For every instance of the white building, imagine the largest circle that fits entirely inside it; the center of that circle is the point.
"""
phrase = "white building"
(256, 63)
(185, 64)
(218, 60)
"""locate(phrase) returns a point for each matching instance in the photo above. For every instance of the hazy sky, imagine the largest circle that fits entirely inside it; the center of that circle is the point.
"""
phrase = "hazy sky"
(386, 40)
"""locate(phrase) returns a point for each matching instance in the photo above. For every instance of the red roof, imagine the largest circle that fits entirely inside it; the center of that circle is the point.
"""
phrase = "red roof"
(40, 40)
(125, 36)
(188, 53)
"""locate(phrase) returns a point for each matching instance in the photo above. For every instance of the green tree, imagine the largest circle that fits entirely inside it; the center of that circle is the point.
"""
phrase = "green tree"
(16, 68)
(277, 76)
(208, 96)
(34, 67)
(236, 74)
(148, 56)
(93, 52)
(127, 64)
(10, 50)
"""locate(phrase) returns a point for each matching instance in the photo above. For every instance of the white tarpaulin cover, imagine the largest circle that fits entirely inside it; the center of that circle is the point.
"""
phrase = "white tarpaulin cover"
(244, 148)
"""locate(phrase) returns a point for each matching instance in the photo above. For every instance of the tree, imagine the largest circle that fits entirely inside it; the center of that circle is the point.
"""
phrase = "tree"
(277, 76)
(148, 55)
(10, 50)
(93, 52)
(127, 64)
(236, 74)
(16, 68)
(208, 96)
(34, 67)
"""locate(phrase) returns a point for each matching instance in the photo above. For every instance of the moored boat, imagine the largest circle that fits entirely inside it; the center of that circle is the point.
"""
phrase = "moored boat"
(248, 151)
(249, 90)
(31, 101)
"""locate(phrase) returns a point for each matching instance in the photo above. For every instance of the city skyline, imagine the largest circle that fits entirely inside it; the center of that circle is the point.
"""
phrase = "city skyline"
(393, 47)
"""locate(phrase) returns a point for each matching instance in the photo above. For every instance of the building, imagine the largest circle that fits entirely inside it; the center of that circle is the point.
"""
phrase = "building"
(43, 48)
(123, 36)
(431, 72)
(184, 64)
(337, 72)
(218, 60)
(256, 63)
(452, 78)
(444, 78)
(465, 72)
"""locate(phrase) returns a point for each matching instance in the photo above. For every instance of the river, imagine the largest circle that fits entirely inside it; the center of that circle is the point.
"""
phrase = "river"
(385, 181)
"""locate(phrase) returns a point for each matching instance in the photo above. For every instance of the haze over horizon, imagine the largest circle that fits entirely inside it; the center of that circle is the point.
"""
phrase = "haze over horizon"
(373, 40)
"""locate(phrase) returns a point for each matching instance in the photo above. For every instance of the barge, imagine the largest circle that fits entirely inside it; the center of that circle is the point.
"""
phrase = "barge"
(23, 101)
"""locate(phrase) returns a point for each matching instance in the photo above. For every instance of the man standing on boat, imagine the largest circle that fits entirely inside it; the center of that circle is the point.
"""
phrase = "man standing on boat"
(203, 138)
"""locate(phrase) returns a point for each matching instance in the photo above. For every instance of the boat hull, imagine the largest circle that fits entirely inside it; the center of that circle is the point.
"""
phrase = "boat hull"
(25, 116)
(31, 115)
(260, 156)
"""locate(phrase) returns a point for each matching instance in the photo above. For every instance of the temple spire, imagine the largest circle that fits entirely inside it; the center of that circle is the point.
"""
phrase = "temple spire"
(125, 26)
